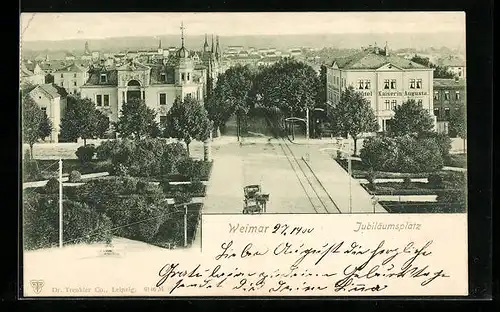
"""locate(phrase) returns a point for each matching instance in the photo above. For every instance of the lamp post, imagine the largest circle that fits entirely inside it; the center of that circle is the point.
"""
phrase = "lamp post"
(374, 202)
(60, 205)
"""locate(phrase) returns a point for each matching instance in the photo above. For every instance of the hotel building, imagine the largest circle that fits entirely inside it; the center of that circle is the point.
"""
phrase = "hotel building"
(384, 80)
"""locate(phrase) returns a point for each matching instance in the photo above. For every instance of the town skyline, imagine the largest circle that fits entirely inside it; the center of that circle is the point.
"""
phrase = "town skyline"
(37, 27)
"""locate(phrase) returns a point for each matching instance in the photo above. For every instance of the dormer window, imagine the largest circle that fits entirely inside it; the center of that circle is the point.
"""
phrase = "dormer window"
(163, 77)
(104, 78)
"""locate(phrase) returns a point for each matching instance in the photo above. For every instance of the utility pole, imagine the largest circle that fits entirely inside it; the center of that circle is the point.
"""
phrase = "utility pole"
(349, 169)
(60, 205)
(185, 226)
(307, 123)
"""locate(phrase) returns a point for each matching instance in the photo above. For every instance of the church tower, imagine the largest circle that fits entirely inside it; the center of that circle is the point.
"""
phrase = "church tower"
(205, 45)
(185, 67)
(218, 52)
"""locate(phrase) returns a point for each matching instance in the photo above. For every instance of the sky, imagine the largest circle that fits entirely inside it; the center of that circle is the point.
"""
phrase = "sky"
(64, 26)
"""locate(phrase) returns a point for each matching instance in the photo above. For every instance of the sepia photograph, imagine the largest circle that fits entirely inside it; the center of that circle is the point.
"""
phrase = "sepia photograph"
(163, 133)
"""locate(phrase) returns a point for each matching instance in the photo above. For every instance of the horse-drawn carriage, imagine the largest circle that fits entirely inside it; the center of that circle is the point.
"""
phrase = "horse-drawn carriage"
(255, 201)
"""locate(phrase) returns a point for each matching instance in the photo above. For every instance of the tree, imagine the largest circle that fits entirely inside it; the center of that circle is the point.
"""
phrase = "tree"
(288, 87)
(136, 120)
(230, 96)
(36, 124)
(410, 118)
(458, 123)
(439, 71)
(421, 60)
(187, 120)
(353, 115)
(82, 120)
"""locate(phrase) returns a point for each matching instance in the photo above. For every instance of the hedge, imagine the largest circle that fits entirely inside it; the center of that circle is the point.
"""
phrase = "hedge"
(420, 207)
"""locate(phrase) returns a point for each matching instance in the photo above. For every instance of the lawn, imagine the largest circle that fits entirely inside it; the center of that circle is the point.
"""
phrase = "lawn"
(397, 188)
(50, 168)
(418, 207)
(361, 172)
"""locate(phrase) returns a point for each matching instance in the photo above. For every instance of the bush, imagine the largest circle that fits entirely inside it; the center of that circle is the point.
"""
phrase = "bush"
(106, 149)
(75, 176)
(435, 180)
(81, 223)
(52, 186)
(31, 172)
(85, 153)
(196, 187)
(194, 170)
(406, 182)
(181, 197)
(120, 170)
(402, 154)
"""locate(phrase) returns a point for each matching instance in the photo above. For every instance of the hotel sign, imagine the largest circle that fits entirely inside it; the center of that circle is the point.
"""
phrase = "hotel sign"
(365, 93)
(405, 93)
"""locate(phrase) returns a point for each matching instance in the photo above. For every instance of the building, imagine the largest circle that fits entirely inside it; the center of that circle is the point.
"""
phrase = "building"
(32, 73)
(52, 101)
(449, 95)
(455, 64)
(384, 80)
(157, 84)
(71, 77)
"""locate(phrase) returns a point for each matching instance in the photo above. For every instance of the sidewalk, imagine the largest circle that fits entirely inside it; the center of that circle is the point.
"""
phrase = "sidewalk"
(64, 179)
(336, 181)
(225, 188)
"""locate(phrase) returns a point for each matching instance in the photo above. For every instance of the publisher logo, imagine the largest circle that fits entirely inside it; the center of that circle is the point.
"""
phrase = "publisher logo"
(37, 285)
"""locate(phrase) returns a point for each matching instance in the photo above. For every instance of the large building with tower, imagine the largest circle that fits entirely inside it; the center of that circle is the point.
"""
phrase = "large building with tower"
(158, 82)
(383, 79)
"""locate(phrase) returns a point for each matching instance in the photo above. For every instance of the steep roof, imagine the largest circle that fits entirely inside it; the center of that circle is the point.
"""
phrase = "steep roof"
(133, 65)
(372, 60)
(50, 90)
(442, 83)
(25, 71)
(71, 68)
(95, 76)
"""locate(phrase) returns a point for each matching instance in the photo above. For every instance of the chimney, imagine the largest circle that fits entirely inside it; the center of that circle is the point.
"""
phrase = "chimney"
(386, 49)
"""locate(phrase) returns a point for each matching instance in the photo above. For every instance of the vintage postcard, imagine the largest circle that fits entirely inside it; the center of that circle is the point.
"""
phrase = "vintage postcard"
(243, 154)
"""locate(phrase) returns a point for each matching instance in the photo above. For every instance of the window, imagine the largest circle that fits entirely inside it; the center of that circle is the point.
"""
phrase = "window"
(436, 95)
(163, 99)
(74, 91)
(447, 113)
(106, 100)
(62, 75)
(457, 95)
(367, 84)
(447, 95)
(104, 78)
(74, 83)
(98, 100)
(361, 84)
(143, 95)
(74, 75)
(412, 83)
(393, 83)
(393, 104)
(44, 110)
(387, 104)
(188, 76)
(386, 84)
(419, 83)
(123, 96)
(459, 74)
(163, 77)
(436, 112)
(62, 83)
(419, 102)
(183, 77)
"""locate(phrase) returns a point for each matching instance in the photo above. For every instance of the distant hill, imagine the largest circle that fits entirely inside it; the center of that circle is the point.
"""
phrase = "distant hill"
(418, 41)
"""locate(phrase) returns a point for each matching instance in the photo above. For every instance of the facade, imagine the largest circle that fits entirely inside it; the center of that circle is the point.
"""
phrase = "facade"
(52, 101)
(383, 79)
(455, 64)
(157, 83)
(449, 95)
(71, 77)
